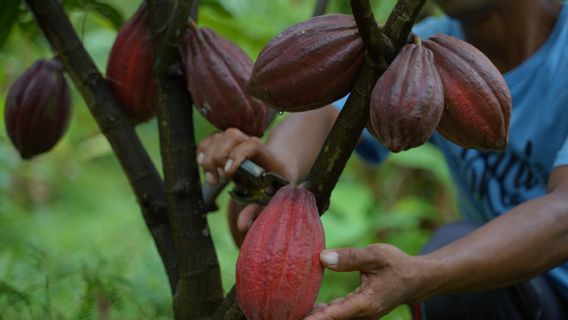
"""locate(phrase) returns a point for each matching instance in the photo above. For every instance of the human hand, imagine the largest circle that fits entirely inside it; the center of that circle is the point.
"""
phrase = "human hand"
(389, 278)
(240, 219)
(221, 153)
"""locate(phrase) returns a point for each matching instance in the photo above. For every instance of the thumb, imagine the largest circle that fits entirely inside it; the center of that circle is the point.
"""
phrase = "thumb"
(350, 259)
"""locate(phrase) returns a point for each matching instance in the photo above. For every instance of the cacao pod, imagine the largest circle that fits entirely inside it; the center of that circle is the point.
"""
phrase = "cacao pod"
(278, 270)
(37, 108)
(477, 99)
(129, 68)
(408, 100)
(217, 71)
(309, 65)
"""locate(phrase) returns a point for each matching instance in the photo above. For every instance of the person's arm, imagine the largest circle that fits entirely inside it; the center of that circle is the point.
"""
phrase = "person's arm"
(524, 242)
(291, 149)
(528, 240)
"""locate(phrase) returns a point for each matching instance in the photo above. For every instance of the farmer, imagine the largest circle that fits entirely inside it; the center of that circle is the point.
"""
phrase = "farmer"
(507, 258)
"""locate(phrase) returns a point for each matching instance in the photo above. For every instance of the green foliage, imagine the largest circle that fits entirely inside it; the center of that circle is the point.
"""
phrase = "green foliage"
(74, 243)
(9, 10)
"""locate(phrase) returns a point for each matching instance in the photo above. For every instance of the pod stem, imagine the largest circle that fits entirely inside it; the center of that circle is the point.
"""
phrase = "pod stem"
(192, 25)
(414, 38)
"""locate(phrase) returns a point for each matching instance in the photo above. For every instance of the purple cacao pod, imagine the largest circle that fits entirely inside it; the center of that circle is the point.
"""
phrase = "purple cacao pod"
(477, 100)
(309, 65)
(217, 72)
(37, 108)
(408, 100)
(129, 68)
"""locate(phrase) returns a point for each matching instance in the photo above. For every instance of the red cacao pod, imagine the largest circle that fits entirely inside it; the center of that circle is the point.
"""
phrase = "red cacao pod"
(129, 68)
(477, 99)
(278, 270)
(309, 65)
(408, 100)
(37, 108)
(217, 71)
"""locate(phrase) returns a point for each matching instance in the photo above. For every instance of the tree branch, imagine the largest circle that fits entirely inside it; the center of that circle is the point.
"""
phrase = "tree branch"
(320, 8)
(107, 111)
(229, 309)
(351, 121)
(401, 20)
(199, 289)
(375, 41)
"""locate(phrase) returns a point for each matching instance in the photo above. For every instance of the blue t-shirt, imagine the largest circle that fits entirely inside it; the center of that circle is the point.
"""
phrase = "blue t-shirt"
(489, 183)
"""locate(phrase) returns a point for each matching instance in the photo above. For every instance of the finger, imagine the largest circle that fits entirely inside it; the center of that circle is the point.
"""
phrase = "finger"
(231, 138)
(211, 178)
(233, 214)
(247, 216)
(206, 159)
(318, 307)
(350, 259)
(355, 306)
(250, 149)
(200, 153)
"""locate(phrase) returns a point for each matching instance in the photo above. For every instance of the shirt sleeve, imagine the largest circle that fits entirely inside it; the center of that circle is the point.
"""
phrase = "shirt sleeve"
(368, 148)
(562, 155)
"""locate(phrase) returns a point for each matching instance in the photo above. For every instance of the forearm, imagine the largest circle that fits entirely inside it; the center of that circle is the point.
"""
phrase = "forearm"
(524, 242)
(296, 141)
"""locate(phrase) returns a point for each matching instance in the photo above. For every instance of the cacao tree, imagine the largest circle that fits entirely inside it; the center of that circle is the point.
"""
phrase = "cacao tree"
(162, 65)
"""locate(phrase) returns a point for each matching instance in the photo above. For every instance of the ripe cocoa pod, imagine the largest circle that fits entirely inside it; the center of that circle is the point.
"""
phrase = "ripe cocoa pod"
(37, 108)
(278, 270)
(217, 71)
(408, 100)
(129, 68)
(309, 65)
(477, 99)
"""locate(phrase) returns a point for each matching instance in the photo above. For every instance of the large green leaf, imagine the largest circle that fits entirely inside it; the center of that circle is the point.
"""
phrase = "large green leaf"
(102, 8)
(9, 12)
(109, 12)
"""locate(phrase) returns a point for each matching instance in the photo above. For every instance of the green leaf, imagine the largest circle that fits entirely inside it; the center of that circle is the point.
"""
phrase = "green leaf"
(102, 8)
(13, 294)
(9, 12)
(109, 12)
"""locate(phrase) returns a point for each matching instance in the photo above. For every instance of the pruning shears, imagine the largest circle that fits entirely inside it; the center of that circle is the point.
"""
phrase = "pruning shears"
(253, 184)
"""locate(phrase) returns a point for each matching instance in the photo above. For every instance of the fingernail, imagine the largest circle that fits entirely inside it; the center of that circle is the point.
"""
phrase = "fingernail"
(329, 257)
(221, 173)
(228, 165)
(249, 224)
(200, 158)
(210, 178)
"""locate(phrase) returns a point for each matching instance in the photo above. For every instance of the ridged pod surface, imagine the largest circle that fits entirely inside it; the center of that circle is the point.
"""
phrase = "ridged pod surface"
(477, 99)
(309, 65)
(37, 108)
(278, 270)
(129, 68)
(408, 100)
(217, 71)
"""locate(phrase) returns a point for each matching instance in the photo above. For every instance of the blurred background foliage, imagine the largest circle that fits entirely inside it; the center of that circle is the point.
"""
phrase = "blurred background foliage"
(73, 244)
